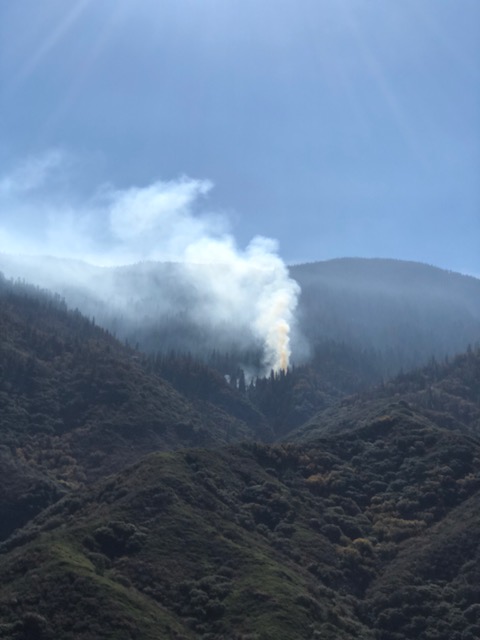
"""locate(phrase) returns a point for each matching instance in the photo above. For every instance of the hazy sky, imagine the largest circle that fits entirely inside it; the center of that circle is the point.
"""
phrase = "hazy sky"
(337, 127)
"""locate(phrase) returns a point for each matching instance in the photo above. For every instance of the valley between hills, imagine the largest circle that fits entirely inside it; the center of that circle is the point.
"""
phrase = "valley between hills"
(155, 493)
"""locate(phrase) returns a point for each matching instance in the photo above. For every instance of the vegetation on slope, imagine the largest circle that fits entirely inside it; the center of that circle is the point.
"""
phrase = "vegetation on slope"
(262, 541)
(75, 405)
(362, 526)
(403, 312)
(447, 393)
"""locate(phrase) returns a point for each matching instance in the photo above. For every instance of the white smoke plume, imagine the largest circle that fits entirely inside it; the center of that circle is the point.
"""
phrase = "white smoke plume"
(245, 292)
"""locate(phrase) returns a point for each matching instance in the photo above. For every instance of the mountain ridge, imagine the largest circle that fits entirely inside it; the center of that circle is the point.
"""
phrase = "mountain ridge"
(403, 311)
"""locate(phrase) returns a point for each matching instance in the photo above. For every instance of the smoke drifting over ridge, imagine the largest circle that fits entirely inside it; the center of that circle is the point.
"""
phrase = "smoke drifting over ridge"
(245, 296)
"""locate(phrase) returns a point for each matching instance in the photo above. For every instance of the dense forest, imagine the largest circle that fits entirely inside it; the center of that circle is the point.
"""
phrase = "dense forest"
(158, 495)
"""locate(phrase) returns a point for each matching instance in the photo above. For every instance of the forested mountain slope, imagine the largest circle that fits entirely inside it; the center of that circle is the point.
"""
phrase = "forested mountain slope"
(405, 312)
(75, 404)
(447, 393)
(360, 524)
(369, 535)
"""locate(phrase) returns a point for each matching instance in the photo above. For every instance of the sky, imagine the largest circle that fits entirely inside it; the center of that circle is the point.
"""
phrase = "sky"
(334, 127)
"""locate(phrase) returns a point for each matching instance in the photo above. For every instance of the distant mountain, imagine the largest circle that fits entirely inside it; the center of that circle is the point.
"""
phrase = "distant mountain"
(359, 322)
(404, 312)
(400, 313)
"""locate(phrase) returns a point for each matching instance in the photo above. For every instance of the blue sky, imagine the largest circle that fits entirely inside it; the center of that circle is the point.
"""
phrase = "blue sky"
(337, 127)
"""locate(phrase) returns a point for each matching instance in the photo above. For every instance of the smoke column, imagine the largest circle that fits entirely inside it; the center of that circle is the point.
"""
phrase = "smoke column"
(244, 293)
(275, 315)
(251, 290)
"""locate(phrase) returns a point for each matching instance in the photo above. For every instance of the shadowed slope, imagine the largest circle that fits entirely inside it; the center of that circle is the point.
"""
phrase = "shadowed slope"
(75, 404)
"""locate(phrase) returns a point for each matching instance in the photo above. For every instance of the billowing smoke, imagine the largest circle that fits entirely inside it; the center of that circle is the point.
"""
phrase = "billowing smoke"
(148, 254)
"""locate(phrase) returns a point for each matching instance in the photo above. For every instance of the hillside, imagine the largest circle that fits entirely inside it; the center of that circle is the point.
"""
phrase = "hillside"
(76, 404)
(371, 535)
(447, 393)
(133, 507)
(406, 312)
